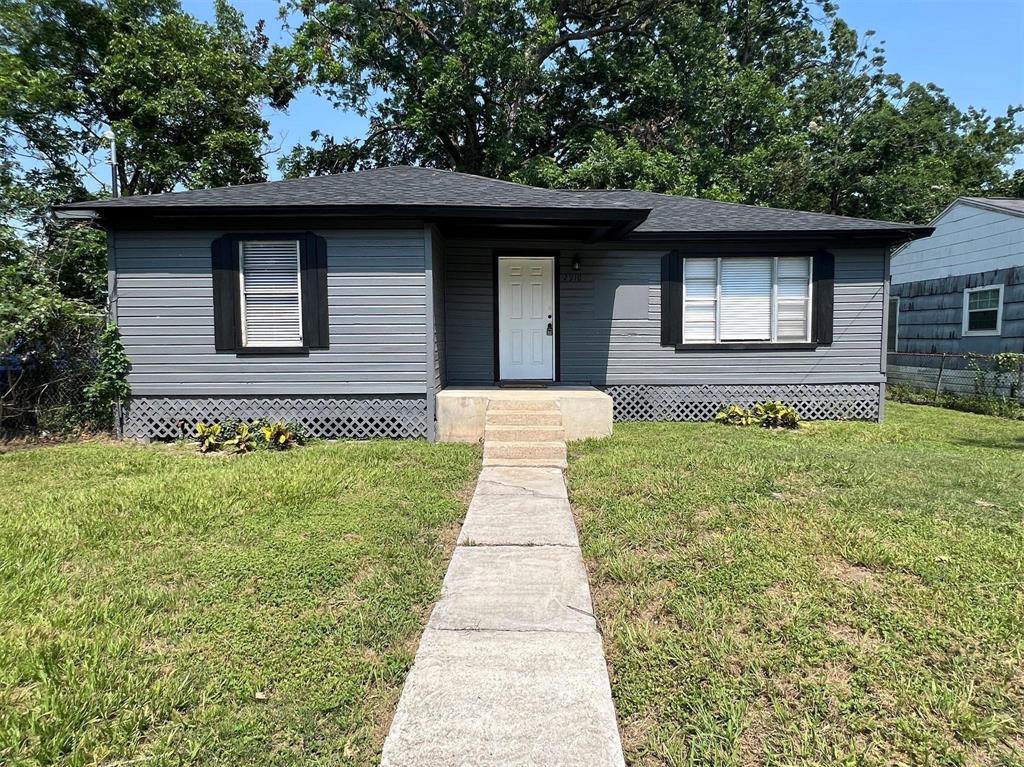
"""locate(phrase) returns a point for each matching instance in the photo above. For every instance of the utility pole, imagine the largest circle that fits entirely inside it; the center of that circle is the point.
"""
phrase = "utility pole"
(113, 163)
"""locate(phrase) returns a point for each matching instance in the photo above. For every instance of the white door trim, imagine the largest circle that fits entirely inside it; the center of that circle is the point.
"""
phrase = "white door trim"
(533, 328)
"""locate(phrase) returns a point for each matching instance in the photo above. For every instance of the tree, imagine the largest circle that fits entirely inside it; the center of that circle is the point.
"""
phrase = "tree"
(183, 98)
(762, 101)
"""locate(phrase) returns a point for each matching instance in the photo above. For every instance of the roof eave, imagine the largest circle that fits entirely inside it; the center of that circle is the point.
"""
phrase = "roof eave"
(890, 235)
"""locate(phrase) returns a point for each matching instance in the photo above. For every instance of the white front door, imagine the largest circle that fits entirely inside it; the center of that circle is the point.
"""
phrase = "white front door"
(526, 310)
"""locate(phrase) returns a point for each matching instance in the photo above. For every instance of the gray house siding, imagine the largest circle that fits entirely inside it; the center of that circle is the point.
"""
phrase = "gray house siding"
(967, 240)
(375, 368)
(610, 336)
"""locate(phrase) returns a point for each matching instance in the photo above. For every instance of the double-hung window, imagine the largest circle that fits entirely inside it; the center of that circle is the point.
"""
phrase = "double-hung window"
(747, 298)
(983, 311)
(271, 296)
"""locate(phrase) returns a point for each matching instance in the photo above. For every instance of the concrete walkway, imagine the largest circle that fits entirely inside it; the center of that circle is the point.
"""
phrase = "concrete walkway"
(510, 669)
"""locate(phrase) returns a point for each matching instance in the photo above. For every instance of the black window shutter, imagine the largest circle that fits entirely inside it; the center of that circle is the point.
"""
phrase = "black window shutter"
(671, 299)
(227, 310)
(823, 297)
(315, 321)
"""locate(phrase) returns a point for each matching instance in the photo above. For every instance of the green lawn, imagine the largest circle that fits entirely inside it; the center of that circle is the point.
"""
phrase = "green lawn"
(158, 607)
(846, 594)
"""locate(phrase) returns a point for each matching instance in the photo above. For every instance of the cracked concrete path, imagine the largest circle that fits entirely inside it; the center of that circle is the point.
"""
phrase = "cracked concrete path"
(510, 669)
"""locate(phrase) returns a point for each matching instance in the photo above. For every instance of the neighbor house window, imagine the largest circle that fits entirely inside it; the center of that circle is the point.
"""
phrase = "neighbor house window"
(271, 305)
(983, 310)
(757, 298)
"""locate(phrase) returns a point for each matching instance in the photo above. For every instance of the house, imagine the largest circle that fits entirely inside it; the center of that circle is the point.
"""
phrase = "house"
(962, 290)
(393, 302)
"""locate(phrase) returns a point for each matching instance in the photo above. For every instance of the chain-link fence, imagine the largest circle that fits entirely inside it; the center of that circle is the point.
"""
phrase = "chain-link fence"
(998, 378)
(43, 382)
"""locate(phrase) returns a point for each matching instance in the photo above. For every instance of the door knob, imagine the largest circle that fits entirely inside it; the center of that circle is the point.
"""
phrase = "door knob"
(550, 330)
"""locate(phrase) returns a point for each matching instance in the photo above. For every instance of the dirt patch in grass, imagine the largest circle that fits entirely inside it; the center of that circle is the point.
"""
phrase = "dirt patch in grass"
(856, 575)
(853, 636)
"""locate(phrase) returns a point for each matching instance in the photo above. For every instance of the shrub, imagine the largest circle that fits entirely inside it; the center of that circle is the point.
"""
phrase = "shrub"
(775, 415)
(279, 435)
(208, 437)
(736, 415)
(243, 438)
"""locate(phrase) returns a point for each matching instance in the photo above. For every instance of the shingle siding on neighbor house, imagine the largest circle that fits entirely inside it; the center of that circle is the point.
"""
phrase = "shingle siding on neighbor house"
(377, 310)
(610, 324)
(931, 314)
(976, 243)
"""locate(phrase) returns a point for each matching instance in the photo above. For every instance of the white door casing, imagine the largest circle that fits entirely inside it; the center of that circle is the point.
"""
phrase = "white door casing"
(526, 316)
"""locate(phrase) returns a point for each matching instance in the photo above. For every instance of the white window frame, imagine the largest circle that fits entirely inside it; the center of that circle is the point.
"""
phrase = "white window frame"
(965, 320)
(298, 291)
(894, 323)
(774, 306)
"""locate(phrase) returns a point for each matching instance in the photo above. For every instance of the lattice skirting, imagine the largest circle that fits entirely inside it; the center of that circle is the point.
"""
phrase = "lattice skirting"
(814, 402)
(329, 418)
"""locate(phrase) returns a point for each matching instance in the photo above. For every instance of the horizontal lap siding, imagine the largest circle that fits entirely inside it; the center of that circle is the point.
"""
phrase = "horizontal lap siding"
(602, 346)
(377, 320)
(468, 313)
(615, 341)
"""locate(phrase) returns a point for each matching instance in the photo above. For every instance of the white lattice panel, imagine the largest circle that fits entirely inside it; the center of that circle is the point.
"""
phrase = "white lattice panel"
(358, 418)
(814, 402)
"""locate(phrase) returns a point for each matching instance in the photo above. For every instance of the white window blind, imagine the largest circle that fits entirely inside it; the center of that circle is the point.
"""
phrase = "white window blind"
(271, 299)
(755, 298)
(746, 290)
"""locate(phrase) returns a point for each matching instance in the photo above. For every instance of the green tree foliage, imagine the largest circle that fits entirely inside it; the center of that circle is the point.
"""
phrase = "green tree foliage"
(184, 99)
(763, 101)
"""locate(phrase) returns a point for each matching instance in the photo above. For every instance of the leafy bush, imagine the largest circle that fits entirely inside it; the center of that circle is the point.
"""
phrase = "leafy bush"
(775, 415)
(736, 415)
(208, 437)
(771, 415)
(279, 435)
(244, 437)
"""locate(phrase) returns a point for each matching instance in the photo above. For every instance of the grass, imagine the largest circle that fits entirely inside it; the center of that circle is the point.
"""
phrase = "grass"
(158, 607)
(846, 594)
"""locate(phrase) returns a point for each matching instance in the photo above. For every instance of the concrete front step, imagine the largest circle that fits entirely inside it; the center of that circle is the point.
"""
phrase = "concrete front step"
(523, 418)
(494, 449)
(524, 434)
(526, 463)
(533, 405)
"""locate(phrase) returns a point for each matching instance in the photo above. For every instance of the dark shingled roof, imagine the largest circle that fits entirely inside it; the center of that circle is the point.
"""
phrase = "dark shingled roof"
(414, 190)
(673, 213)
(398, 186)
(1004, 204)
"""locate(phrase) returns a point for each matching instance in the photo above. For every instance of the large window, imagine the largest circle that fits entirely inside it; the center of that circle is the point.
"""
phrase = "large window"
(983, 311)
(271, 305)
(758, 298)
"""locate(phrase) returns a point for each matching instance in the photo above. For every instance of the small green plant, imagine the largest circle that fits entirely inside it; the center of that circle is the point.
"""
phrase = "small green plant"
(775, 415)
(208, 436)
(278, 435)
(736, 415)
(243, 438)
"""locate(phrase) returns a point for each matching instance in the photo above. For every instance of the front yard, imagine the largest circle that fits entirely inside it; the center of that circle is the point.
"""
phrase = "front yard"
(159, 607)
(844, 594)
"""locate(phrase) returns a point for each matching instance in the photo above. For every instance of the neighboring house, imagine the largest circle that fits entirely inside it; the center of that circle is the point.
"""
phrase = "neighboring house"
(350, 302)
(962, 290)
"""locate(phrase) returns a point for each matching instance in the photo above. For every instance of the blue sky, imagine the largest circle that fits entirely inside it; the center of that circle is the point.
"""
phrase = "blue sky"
(970, 48)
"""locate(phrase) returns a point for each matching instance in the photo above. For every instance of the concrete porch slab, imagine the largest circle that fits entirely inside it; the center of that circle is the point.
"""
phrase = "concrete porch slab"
(462, 411)
(518, 521)
(528, 481)
(515, 588)
(507, 699)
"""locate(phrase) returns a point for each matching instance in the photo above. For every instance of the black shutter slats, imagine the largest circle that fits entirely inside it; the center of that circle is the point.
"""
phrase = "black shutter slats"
(671, 299)
(227, 319)
(315, 319)
(822, 311)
